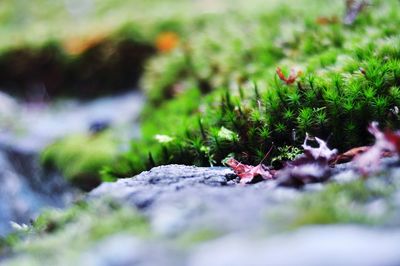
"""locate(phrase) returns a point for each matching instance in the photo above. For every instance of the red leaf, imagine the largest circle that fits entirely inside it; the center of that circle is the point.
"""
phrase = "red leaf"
(394, 139)
(292, 77)
(248, 173)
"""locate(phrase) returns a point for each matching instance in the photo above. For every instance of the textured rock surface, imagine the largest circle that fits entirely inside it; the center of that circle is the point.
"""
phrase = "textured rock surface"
(122, 250)
(181, 199)
(178, 198)
(330, 245)
(203, 216)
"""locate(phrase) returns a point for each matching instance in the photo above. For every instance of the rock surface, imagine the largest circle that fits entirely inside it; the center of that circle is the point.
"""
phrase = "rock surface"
(122, 250)
(183, 200)
(329, 245)
(178, 198)
(203, 216)
(22, 193)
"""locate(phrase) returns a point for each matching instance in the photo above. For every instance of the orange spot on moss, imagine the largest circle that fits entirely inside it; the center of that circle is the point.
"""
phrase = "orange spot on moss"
(327, 20)
(167, 41)
(78, 45)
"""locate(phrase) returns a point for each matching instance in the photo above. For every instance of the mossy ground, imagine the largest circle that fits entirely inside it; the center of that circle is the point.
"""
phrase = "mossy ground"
(345, 203)
(80, 157)
(58, 237)
(217, 94)
(86, 49)
(223, 77)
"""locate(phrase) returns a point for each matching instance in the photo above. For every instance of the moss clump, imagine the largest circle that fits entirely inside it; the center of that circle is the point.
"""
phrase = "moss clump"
(159, 143)
(232, 50)
(350, 78)
(80, 157)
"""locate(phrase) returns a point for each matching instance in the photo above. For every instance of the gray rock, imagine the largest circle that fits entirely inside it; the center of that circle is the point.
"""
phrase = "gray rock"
(180, 198)
(345, 176)
(142, 190)
(125, 250)
(25, 190)
(184, 204)
(314, 246)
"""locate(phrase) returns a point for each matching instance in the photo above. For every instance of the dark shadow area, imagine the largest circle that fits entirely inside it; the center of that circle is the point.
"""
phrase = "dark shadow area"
(106, 66)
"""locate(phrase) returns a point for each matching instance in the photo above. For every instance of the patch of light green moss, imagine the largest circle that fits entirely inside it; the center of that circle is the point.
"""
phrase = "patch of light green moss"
(60, 237)
(192, 238)
(345, 203)
(81, 156)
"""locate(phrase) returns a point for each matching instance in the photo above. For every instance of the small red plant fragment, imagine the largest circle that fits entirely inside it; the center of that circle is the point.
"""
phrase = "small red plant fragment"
(248, 173)
(291, 78)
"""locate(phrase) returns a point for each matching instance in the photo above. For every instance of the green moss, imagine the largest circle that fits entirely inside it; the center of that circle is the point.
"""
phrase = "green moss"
(197, 237)
(57, 235)
(87, 58)
(343, 203)
(350, 78)
(174, 119)
(348, 81)
(80, 157)
(286, 153)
